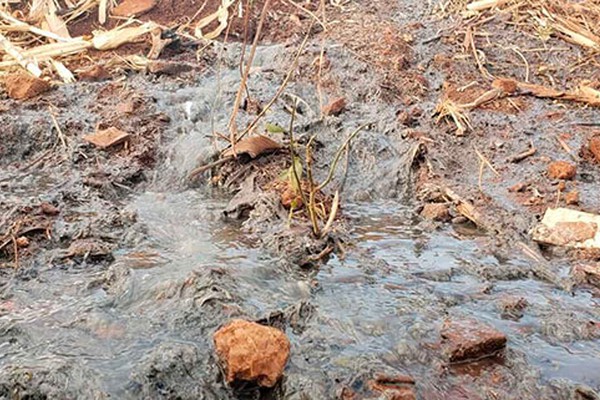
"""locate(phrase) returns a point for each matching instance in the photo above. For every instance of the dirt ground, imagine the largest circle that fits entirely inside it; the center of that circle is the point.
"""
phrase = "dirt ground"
(80, 224)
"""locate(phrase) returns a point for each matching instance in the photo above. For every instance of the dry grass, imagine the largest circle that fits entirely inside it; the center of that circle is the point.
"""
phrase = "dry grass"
(534, 28)
(34, 34)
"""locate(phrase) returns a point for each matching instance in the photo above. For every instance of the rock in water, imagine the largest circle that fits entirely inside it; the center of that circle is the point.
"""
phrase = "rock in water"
(470, 339)
(252, 352)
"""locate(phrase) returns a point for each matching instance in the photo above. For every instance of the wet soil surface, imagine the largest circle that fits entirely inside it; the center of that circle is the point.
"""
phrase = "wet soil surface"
(128, 270)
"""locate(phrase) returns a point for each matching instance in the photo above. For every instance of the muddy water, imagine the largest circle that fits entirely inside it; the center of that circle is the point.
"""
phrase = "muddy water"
(142, 327)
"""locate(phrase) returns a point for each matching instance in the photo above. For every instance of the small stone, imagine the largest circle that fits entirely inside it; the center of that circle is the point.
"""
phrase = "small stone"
(133, 8)
(404, 118)
(95, 73)
(512, 307)
(291, 198)
(518, 187)
(460, 220)
(49, 209)
(168, 67)
(587, 273)
(572, 198)
(126, 107)
(400, 387)
(252, 352)
(107, 137)
(335, 107)
(436, 212)
(22, 241)
(595, 147)
(21, 86)
(470, 339)
(346, 393)
(561, 170)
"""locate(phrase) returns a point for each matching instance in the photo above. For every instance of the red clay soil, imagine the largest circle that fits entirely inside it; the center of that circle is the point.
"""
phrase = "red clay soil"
(280, 24)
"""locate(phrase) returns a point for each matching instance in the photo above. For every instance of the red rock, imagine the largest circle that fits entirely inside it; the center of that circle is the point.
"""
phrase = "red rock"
(291, 198)
(21, 86)
(22, 241)
(399, 387)
(335, 107)
(49, 209)
(595, 147)
(561, 170)
(572, 198)
(132, 8)
(94, 73)
(107, 137)
(518, 187)
(345, 393)
(436, 212)
(168, 67)
(252, 352)
(470, 339)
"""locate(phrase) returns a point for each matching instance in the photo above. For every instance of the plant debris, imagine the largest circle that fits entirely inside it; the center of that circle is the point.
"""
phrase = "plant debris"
(107, 137)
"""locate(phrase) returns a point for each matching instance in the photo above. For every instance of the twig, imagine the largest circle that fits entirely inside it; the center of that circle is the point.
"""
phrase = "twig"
(338, 154)
(238, 97)
(293, 156)
(206, 167)
(483, 163)
(523, 155)
(525, 61)
(311, 189)
(61, 136)
(310, 13)
(332, 214)
(281, 88)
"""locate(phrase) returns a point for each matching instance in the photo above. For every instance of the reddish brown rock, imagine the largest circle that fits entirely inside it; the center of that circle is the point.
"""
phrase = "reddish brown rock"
(512, 307)
(518, 187)
(561, 170)
(470, 339)
(291, 198)
(335, 107)
(168, 67)
(252, 352)
(587, 273)
(107, 137)
(94, 73)
(21, 86)
(400, 387)
(436, 212)
(49, 209)
(132, 8)
(595, 147)
(22, 241)
(572, 198)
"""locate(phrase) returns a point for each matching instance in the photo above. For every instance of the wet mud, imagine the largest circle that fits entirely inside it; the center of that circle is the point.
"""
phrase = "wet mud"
(130, 268)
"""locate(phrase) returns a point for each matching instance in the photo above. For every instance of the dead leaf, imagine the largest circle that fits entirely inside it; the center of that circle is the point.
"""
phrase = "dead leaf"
(133, 8)
(254, 146)
(107, 137)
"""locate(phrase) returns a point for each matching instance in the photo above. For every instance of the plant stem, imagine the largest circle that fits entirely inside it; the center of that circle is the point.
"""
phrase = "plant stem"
(293, 154)
(238, 97)
(339, 154)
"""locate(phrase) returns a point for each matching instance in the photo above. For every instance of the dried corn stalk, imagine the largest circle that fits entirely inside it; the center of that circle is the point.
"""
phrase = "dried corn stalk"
(117, 37)
(221, 15)
(14, 52)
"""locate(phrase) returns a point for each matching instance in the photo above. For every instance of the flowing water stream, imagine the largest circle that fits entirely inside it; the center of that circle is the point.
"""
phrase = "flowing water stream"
(130, 330)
